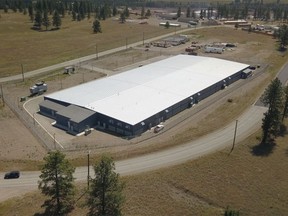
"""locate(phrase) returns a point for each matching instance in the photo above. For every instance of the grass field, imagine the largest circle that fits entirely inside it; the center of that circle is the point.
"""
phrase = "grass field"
(244, 181)
(21, 45)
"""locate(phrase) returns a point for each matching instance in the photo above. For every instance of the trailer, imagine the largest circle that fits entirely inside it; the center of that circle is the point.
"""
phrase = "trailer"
(246, 73)
(211, 49)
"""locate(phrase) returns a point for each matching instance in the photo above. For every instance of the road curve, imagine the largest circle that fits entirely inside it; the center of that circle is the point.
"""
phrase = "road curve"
(248, 123)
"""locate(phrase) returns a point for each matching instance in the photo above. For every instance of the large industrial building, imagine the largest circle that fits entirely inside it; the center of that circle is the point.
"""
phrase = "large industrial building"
(130, 103)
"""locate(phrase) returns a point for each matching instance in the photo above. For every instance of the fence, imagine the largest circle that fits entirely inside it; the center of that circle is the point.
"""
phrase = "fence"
(46, 139)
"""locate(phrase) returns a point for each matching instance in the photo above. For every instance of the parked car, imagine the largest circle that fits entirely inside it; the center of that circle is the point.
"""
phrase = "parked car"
(12, 174)
(158, 128)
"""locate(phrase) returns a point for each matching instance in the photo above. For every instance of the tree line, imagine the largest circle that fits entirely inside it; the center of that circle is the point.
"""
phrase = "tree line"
(41, 11)
(103, 195)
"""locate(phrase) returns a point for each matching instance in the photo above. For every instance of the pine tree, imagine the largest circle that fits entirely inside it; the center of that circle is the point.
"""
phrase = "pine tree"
(105, 195)
(57, 183)
(282, 35)
(103, 14)
(31, 12)
(126, 12)
(74, 15)
(56, 19)
(6, 8)
(179, 12)
(285, 109)
(38, 20)
(122, 17)
(167, 25)
(142, 12)
(148, 13)
(273, 98)
(114, 12)
(188, 12)
(96, 26)
(46, 21)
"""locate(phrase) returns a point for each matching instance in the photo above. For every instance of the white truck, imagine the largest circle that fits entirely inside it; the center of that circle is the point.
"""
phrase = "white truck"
(38, 88)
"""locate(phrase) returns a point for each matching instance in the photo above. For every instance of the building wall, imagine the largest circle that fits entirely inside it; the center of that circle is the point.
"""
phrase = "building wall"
(72, 126)
(61, 121)
(111, 125)
(120, 128)
(78, 127)
(47, 112)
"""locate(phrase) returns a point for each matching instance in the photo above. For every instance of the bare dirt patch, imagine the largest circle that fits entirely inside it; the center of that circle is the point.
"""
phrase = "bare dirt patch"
(19, 148)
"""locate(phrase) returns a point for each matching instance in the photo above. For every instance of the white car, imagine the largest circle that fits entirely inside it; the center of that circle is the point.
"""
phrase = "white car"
(158, 128)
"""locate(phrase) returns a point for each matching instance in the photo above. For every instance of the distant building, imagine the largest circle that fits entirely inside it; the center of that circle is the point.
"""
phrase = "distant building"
(176, 40)
(170, 24)
(233, 22)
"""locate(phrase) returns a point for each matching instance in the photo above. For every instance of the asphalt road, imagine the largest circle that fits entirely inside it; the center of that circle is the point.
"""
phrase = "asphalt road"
(248, 123)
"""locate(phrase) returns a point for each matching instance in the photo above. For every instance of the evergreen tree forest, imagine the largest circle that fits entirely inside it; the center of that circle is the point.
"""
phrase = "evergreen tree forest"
(83, 9)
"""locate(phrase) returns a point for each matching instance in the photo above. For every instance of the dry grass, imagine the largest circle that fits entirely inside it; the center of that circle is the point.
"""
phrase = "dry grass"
(33, 49)
(254, 185)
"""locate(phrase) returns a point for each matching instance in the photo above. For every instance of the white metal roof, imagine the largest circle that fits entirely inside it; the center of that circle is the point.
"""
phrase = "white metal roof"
(139, 93)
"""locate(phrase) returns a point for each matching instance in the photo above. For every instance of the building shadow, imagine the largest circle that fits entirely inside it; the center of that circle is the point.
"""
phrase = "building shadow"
(263, 149)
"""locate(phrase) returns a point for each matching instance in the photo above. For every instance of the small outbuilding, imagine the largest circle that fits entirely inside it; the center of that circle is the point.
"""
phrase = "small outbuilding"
(69, 70)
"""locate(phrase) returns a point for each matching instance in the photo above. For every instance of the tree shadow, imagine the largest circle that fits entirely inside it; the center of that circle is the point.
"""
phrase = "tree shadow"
(49, 209)
(263, 149)
(40, 214)
(282, 49)
(47, 212)
(286, 152)
(282, 130)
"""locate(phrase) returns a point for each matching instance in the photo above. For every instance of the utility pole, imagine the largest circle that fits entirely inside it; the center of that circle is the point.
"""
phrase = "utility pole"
(96, 49)
(22, 72)
(88, 162)
(235, 132)
(126, 44)
(54, 141)
(2, 95)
